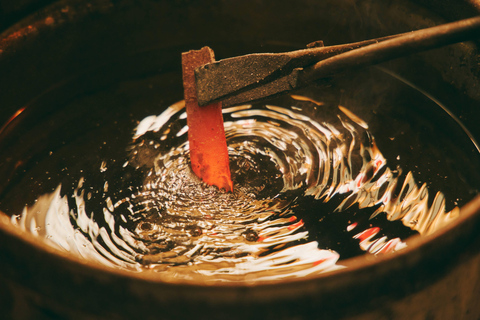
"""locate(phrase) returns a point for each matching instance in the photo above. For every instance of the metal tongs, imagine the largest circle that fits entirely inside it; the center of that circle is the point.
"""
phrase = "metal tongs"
(255, 76)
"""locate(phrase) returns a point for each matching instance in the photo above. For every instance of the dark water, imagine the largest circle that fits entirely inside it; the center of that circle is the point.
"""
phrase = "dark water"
(329, 173)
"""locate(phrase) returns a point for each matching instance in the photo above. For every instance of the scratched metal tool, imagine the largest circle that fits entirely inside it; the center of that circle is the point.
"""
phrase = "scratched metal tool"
(252, 77)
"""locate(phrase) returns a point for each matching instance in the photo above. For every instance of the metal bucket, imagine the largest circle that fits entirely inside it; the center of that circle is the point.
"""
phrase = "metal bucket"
(435, 277)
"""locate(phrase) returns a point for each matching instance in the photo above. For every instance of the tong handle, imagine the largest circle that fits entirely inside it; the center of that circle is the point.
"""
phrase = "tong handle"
(403, 45)
(256, 76)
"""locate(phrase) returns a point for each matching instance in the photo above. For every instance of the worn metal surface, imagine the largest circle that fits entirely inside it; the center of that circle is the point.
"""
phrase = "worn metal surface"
(255, 76)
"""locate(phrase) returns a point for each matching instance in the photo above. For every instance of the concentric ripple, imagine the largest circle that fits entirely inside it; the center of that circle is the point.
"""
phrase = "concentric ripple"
(294, 166)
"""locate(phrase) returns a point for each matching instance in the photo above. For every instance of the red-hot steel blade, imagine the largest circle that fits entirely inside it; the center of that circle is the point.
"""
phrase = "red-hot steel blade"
(206, 134)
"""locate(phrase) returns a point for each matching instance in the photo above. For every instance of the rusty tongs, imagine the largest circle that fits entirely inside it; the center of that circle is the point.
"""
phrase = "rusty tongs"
(252, 77)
